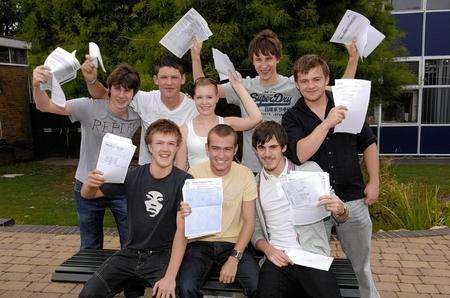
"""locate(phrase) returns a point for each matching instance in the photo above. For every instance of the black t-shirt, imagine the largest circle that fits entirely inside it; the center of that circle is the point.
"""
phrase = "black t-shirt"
(338, 153)
(152, 206)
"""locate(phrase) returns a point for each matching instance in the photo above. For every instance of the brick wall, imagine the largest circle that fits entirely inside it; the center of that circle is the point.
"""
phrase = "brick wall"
(15, 108)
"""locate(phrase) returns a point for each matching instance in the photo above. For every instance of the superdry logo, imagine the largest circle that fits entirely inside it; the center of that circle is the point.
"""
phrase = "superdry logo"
(277, 99)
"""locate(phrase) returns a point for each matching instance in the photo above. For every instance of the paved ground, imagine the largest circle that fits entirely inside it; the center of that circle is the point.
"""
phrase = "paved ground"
(403, 266)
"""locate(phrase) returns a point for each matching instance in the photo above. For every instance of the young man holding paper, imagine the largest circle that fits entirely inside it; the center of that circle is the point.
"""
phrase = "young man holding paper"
(273, 93)
(310, 128)
(275, 232)
(155, 247)
(97, 117)
(226, 248)
(166, 103)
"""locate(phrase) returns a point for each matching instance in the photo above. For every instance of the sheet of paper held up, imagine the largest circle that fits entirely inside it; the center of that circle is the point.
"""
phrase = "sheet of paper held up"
(303, 190)
(222, 64)
(94, 52)
(63, 66)
(355, 96)
(115, 157)
(355, 25)
(309, 259)
(205, 196)
(180, 37)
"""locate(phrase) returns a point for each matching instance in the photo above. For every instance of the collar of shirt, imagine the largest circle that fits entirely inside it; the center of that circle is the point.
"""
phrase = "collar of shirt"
(268, 176)
(301, 105)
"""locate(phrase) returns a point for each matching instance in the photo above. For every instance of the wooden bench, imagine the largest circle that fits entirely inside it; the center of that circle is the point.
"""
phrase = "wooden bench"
(80, 267)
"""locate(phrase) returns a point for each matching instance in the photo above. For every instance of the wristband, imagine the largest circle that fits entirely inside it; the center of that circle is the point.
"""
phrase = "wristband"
(92, 82)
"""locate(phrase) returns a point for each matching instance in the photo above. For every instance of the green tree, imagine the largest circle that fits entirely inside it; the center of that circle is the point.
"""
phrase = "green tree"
(10, 17)
(130, 31)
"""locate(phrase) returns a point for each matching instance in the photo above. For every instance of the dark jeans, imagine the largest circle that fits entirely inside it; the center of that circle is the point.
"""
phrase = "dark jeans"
(90, 217)
(130, 269)
(200, 257)
(295, 281)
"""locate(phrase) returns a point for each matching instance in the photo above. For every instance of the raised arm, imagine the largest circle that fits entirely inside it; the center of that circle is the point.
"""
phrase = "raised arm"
(96, 89)
(228, 270)
(91, 187)
(43, 102)
(254, 114)
(308, 146)
(165, 287)
(197, 69)
(181, 160)
(353, 58)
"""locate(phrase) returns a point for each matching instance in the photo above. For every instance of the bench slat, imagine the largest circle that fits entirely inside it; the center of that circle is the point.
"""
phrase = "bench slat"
(80, 267)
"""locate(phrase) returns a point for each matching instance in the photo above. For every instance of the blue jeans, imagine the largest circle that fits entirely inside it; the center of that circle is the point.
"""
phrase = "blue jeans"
(129, 270)
(90, 218)
(198, 260)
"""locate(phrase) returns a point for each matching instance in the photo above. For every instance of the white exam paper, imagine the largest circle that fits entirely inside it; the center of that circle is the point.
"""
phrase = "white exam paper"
(222, 64)
(63, 66)
(205, 197)
(180, 37)
(355, 96)
(94, 51)
(309, 259)
(115, 156)
(355, 25)
(303, 190)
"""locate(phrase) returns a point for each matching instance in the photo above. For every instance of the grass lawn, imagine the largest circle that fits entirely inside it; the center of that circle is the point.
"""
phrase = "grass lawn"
(44, 195)
(429, 175)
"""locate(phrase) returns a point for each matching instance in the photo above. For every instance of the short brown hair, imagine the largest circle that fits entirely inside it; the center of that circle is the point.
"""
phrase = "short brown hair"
(164, 126)
(222, 130)
(168, 61)
(202, 81)
(265, 42)
(266, 130)
(124, 75)
(307, 62)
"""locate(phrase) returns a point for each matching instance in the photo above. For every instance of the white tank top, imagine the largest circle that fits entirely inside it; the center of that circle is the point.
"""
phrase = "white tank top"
(196, 144)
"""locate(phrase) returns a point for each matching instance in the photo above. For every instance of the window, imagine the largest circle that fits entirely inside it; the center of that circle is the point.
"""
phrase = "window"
(406, 4)
(438, 4)
(4, 55)
(437, 72)
(18, 56)
(436, 106)
(413, 67)
(372, 115)
(402, 109)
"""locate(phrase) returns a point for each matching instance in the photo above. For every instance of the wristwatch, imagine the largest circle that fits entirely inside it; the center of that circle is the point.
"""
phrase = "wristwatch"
(236, 254)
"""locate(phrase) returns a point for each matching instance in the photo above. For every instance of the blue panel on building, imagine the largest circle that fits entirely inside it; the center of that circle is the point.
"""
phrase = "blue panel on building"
(398, 140)
(437, 30)
(411, 25)
(435, 140)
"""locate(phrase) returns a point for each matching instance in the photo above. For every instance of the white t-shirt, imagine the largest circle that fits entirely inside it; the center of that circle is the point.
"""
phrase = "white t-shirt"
(150, 108)
(273, 101)
(276, 209)
(195, 144)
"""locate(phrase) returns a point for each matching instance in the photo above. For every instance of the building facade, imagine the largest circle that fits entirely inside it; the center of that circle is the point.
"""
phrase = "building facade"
(420, 124)
(16, 140)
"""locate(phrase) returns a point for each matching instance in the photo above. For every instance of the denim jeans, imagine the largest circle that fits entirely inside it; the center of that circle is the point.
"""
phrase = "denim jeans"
(128, 269)
(90, 218)
(295, 281)
(198, 260)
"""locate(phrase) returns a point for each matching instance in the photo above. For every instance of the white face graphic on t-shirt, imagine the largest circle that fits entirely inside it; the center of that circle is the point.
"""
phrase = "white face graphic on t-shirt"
(153, 204)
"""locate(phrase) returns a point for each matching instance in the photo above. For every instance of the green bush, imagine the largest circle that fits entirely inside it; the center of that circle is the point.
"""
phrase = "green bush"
(410, 205)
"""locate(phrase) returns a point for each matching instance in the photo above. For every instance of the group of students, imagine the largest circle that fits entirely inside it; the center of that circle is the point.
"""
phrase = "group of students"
(181, 134)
